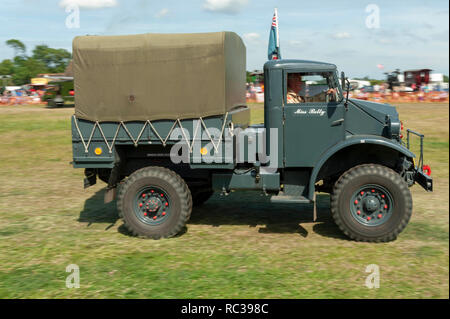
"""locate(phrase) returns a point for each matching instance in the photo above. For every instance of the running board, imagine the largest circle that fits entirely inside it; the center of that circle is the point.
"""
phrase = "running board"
(290, 199)
(296, 200)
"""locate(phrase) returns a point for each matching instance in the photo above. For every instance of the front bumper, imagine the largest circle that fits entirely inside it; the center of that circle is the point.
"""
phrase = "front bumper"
(423, 180)
(420, 177)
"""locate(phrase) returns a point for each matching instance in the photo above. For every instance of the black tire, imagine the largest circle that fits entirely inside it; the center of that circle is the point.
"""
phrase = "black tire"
(175, 188)
(371, 174)
(201, 195)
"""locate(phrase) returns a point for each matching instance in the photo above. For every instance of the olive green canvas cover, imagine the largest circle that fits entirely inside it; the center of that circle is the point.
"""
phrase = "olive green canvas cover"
(158, 76)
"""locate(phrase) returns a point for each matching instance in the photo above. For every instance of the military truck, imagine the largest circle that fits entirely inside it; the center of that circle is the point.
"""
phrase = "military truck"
(162, 119)
(59, 93)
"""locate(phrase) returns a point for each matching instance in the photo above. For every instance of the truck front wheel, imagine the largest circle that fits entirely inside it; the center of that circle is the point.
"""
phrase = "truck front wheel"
(154, 202)
(371, 203)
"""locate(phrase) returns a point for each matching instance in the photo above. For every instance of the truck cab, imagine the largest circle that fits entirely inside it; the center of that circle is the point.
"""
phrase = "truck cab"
(332, 133)
(316, 122)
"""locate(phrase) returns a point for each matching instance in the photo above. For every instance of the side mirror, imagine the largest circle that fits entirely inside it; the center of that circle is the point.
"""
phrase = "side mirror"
(343, 80)
(348, 91)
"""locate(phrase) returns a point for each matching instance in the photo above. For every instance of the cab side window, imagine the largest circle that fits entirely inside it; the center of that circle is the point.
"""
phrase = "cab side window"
(309, 87)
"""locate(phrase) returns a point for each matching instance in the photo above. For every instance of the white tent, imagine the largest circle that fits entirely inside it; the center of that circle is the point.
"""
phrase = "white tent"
(13, 88)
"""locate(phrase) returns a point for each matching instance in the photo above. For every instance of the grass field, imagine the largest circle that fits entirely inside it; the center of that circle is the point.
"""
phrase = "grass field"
(235, 247)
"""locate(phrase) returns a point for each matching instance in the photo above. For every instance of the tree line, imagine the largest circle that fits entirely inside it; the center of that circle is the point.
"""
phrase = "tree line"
(23, 67)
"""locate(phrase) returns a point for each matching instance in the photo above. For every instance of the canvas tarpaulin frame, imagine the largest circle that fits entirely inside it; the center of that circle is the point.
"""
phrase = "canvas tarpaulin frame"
(110, 143)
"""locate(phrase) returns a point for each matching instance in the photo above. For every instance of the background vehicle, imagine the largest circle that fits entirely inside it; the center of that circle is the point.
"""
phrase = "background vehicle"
(367, 89)
(59, 93)
(123, 132)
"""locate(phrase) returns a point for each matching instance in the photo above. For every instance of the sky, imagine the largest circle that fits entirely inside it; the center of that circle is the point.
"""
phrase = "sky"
(363, 38)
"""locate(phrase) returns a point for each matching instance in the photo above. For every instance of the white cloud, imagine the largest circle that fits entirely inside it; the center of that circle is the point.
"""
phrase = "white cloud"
(385, 40)
(162, 13)
(299, 44)
(251, 37)
(342, 35)
(89, 4)
(225, 6)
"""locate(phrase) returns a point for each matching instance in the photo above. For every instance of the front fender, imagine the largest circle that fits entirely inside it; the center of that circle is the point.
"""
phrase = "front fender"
(354, 140)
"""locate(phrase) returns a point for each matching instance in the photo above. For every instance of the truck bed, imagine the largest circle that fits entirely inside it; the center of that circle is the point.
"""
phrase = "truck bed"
(94, 143)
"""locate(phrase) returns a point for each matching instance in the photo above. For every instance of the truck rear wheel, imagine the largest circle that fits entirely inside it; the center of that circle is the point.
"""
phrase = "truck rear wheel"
(371, 203)
(154, 202)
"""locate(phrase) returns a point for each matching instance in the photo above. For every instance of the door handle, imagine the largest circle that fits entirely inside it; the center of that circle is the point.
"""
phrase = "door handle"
(337, 122)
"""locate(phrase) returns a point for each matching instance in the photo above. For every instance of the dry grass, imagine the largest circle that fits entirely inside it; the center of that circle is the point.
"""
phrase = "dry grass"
(235, 247)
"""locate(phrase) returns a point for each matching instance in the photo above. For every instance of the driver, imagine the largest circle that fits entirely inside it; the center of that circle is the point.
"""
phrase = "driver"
(295, 85)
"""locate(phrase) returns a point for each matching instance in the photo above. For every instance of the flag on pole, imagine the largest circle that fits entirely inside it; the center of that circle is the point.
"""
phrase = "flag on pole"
(273, 51)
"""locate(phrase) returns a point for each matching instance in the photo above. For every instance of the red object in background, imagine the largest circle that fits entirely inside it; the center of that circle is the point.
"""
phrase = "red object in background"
(427, 169)
(72, 92)
(417, 76)
(418, 79)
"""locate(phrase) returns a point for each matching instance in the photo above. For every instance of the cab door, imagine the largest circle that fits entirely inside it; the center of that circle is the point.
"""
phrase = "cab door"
(315, 124)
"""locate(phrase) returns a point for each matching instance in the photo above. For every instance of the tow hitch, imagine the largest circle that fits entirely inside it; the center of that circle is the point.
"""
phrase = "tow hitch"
(422, 173)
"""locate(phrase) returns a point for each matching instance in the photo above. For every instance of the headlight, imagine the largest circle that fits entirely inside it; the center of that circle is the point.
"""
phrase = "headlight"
(395, 129)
